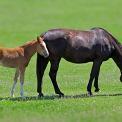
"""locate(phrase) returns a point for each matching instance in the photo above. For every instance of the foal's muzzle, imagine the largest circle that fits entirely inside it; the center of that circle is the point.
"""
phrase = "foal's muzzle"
(46, 54)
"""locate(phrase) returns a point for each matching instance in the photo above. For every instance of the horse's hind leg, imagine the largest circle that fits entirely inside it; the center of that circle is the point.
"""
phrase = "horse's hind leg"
(94, 73)
(40, 68)
(15, 81)
(52, 74)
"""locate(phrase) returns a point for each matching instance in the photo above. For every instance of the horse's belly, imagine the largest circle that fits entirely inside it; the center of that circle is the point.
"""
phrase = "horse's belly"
(79, 57)
(79, 60)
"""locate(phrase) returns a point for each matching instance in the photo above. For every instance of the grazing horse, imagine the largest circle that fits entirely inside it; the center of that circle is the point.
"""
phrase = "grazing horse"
(19, 58)
(95, 45)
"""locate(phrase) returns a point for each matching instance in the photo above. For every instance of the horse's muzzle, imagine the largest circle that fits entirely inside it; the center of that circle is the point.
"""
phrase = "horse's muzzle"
(121, 78)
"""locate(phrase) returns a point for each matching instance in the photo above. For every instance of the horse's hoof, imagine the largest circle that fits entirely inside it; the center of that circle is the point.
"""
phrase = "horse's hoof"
(40, 95)
(97, 90)
(23, 97)
(12, 95)
(61, 95)
(90, 93)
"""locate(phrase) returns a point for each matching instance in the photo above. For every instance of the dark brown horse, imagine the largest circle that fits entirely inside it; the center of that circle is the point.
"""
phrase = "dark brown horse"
(95, 45)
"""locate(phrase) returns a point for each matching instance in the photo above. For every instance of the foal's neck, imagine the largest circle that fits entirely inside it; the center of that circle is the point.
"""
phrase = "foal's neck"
(30, 49)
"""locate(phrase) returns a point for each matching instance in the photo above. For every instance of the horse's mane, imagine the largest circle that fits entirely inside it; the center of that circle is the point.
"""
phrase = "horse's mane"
(117, 42)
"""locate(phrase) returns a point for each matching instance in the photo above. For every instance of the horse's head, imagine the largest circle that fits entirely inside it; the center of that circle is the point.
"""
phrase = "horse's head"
(121, 77)
(41, 47)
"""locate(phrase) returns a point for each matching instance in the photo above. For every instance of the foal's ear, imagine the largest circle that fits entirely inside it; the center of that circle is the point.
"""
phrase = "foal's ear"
(39, 39)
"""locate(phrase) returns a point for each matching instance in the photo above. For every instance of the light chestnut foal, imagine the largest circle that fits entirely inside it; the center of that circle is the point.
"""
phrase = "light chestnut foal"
(19, 58)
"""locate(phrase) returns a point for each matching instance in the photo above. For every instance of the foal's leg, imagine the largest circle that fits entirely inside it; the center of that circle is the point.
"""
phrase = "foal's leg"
(40, 68)
(22, 73)
(15, 81)
(52, 74)
(94, 73)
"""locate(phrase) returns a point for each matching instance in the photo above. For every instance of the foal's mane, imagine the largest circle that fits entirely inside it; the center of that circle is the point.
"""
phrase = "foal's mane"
(28, 43)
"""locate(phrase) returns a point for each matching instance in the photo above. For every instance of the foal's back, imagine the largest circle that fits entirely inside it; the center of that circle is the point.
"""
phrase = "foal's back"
(10, 57)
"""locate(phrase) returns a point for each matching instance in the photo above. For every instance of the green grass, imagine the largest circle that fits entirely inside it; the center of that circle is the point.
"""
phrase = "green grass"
(23, 20)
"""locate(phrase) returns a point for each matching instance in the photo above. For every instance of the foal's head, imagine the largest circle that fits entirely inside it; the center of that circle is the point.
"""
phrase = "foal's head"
(41, 47)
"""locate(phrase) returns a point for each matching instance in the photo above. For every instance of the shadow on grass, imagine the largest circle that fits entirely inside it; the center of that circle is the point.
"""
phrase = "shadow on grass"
(52, 97)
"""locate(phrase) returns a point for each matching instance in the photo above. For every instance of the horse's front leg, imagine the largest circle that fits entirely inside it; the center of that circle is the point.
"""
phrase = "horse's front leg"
(40, 68)
(94, 73)
(96, 81)
(15, 81)
(53, 74)
(22, 73)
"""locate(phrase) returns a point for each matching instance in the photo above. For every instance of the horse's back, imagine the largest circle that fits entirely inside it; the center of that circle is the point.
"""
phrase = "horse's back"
(53, 34)
(77, 45)
(64, 34)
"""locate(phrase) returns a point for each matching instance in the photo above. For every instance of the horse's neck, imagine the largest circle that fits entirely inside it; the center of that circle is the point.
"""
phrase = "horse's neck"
(30, 50)
(117, 57)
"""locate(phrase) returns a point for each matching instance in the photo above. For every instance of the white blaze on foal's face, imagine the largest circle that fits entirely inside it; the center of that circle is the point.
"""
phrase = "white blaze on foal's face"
(41, 48)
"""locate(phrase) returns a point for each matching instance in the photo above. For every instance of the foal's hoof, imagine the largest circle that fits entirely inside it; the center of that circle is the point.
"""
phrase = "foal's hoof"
(97, 90)
(90, 93)
(40, 95)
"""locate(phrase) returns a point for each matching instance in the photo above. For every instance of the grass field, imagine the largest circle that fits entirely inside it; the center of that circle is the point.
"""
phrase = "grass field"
(23, 20)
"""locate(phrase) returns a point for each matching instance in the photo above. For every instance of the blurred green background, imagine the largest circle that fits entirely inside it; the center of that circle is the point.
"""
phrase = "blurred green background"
(22, 21)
